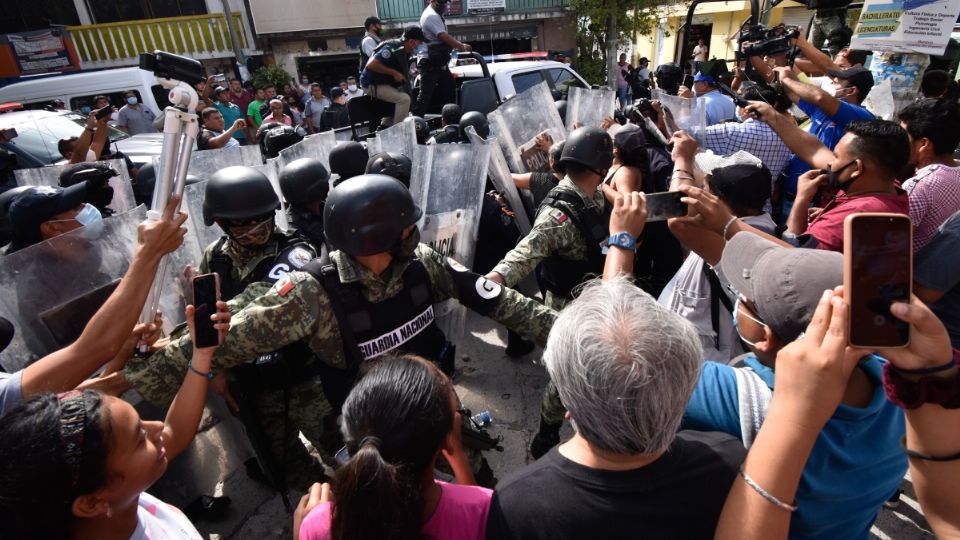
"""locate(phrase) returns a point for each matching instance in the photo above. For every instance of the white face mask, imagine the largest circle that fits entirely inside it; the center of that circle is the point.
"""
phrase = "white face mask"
(352, 87)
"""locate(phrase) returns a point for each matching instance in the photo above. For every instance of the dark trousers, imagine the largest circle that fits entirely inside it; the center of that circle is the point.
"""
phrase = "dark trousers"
(431, 80)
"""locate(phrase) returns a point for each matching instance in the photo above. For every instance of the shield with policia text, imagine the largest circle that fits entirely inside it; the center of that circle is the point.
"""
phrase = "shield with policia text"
(451, 199)
(517, 123)
(589, 107)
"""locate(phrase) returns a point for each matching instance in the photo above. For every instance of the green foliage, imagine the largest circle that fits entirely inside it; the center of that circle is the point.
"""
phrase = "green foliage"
(632, 16)
(271, 74)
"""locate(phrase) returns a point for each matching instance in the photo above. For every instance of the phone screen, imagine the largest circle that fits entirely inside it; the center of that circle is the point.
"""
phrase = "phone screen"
(665, 205)
(688, 81)
(205, 295)
(104, 112)
(879, 267)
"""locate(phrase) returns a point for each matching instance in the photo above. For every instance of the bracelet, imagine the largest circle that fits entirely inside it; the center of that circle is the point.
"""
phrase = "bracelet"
(683, 177)
(908, 394)
(918, 455)
(208, 375)
(727, 227)
(927, 371)
(763, 493)
(682, 170)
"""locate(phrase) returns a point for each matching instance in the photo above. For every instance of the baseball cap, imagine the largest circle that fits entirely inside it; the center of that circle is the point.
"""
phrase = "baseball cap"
(40, 204)
(336, 92)
(219, 90)
(784, 284)
(414, 32)
(371, 20)
(858, 76)
(702, 77)
(628, 138)
(708, 161)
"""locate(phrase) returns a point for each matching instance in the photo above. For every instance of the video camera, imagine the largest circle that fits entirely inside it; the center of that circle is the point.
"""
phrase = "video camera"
(171, 66)
(760, 40)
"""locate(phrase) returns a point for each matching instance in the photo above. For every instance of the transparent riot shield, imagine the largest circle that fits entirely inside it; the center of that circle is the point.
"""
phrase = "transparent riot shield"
(399, 138)
(123, 200)
(204, 163)
(500, 176)
(316, 146)
(517, 123)
(452, 199)
(687, 114)
(588, 107)
(193, 196)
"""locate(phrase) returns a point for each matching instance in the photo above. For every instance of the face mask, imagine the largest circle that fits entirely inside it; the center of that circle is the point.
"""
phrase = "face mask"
(379, 32)
(404, 249)
(255, 236)
(736, 322)
(352, 87)
(833, 177)
(85, 109)
(305, 80)
(88, 215)
(132, 100)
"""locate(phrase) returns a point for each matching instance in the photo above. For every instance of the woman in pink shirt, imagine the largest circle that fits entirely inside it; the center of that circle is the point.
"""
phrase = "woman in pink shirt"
(396, 422)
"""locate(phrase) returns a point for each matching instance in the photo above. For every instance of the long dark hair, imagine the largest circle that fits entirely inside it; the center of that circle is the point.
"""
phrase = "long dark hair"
(394, 421)
(38, 479)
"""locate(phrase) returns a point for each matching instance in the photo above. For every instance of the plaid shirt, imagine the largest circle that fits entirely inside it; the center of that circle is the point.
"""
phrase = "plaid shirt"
(752, 136)
(934, 196)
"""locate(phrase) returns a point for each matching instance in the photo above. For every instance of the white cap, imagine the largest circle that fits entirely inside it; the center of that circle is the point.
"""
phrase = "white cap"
(708, 161)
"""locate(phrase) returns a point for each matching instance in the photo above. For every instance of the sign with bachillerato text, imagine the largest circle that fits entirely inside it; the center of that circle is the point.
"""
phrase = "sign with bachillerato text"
(910, 26)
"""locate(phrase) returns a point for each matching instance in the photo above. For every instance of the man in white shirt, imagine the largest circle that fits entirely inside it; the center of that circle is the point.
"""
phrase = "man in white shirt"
(353, 90)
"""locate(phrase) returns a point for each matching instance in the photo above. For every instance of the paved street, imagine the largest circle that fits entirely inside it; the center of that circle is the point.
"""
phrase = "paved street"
(510, 389)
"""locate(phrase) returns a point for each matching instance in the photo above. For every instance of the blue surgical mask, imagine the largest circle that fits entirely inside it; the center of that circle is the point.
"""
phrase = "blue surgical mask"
(132, 100)
(88, 215)
(736, 322)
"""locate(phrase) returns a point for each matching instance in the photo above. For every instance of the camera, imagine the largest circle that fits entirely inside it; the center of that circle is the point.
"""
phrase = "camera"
(759, 40)
(171, 66)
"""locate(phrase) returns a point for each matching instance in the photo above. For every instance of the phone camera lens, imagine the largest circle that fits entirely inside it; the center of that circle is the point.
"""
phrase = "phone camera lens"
(879, 320)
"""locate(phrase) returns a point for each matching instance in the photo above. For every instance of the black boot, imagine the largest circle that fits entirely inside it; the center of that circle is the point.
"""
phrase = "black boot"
(545, 439)
(517, 346)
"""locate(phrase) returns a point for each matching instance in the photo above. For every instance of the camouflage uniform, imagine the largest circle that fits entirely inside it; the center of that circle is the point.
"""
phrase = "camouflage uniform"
(825, 22)
(307, 404)
(553, 233)
(297, 308)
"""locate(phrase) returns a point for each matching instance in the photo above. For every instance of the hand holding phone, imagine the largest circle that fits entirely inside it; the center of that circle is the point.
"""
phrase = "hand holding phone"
(665, 205)
(688, 81)
(104, 112)
(206, 293)
(878, 271)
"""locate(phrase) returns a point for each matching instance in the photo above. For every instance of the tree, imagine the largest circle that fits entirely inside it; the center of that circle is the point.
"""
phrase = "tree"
(602, 26)
(271, 74)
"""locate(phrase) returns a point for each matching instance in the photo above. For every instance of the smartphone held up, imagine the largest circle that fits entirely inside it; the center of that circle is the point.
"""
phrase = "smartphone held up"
(878, 271)
(206, 293)
(665, 205)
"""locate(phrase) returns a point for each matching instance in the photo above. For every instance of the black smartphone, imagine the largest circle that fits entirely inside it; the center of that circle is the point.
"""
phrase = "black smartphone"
(665, 205)
(206, 292)
(878, 270)
(688, 81)
(104, 112)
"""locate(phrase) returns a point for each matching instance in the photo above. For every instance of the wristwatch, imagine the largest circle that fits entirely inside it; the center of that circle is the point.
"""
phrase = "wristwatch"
(623, 240)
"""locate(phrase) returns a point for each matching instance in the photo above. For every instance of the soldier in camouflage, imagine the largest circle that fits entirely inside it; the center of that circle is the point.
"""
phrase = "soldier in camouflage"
(566, 238)
(374, 294)
(242, 202)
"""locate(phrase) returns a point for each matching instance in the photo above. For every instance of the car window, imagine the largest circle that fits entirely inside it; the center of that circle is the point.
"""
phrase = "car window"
(524, 81)
(77, 103)
(563, 79)
(38, 137)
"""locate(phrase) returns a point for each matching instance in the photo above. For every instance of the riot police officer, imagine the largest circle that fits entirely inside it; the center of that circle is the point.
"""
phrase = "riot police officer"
(566, 238)
(375, 293)
(347, 160)
(478, 121)
(391, 164)
(433, 66)
(304, 184)
(277, 138)
(449, 131)
(421, 128)
(275, 395)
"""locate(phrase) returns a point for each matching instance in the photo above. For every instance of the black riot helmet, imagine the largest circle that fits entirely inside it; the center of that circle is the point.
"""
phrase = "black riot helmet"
(391, 164)
(6, 199)
(348, 160)
(238, 193)
(668, 77)
(368, 215)
(479, 122)
(304, 181)
(562, 110)
(277, 138)
(590, 147)
(420, 127)
(143, 185)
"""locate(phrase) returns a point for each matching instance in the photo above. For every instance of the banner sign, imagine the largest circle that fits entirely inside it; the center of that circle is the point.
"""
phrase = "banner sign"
(911, 26)
(486, 6)
(43, 51)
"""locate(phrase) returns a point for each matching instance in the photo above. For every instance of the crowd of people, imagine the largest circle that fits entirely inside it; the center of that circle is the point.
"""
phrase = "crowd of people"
(704, 362)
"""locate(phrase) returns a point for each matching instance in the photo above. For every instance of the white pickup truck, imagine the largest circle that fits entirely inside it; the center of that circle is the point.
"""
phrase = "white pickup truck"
(477, 91)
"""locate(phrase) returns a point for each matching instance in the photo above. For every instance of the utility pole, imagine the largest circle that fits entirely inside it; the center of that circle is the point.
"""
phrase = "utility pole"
(234, 36)
(611, 45)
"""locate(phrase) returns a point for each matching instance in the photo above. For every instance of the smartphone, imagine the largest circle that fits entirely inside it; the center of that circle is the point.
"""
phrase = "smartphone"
(206, 293)
(665, 205)
(104, 112)
(878, 270)
(688, 81)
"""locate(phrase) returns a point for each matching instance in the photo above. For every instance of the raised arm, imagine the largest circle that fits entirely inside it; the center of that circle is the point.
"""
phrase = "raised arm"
(110, 326)
(83, 141)
(805, 145)
(807, 92)
(629, 215)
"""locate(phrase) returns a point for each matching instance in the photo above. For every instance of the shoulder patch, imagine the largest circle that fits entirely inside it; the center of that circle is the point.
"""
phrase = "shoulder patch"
(559, 216)
(299, 257)
(385, 53)
(285, 285)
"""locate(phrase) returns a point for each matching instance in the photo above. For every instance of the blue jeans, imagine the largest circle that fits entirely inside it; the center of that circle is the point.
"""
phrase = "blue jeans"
(622, 95)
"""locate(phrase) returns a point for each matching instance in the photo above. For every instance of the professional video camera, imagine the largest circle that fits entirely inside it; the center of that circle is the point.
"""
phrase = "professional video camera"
(171, 66)
(760, 40)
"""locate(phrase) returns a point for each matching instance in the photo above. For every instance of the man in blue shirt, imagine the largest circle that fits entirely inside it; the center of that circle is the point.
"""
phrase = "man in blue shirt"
(856, 463)
(229, 111)
(720, 108)
(385, 75)
(829, 115)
